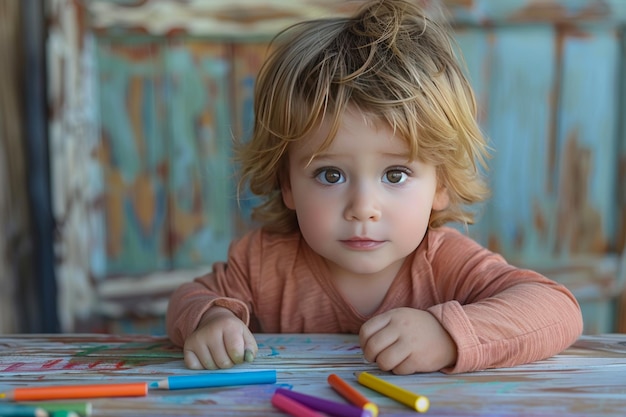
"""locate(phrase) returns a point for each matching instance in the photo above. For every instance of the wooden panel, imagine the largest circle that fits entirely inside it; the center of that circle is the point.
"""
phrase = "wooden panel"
(247, 60)
(474, 49)
(199, 146)
(520, 111)
(587, 164)
(520, 70)
(587, 141)
(133, 155)
(621, 185)
(486, 12)
(17, 271)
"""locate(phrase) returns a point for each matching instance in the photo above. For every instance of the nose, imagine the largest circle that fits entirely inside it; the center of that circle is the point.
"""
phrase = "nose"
(362, 204)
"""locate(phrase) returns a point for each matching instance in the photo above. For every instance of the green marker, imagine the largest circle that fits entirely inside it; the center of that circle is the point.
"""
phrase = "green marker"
(64, 413)
(57, 409)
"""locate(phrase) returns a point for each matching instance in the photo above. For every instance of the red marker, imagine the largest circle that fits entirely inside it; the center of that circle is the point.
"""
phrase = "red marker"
(351, 394)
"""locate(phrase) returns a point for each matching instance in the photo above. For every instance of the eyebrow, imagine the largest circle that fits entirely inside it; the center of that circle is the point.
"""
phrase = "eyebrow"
(308, 159)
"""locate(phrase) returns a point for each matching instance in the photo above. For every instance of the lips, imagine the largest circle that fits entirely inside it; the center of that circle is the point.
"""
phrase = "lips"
(362, 243)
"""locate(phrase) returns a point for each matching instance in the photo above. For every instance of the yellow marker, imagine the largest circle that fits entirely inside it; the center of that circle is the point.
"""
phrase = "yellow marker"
(2, 395)
(415, 401)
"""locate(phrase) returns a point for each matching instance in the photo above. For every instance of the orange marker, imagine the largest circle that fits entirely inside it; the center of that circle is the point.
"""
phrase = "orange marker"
(138, 389)
(352, 395)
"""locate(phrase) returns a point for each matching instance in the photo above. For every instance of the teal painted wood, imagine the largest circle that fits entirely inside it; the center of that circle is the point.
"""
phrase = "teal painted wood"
(480, 12)
(522, 76)
(201, 193)
(621, 172)
(133, 155)
(524, 70)
(474, 51)
(587, 135)
(247, 58)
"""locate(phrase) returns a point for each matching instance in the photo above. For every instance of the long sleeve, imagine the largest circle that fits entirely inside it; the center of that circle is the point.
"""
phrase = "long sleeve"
(497, 314)
(227, 285)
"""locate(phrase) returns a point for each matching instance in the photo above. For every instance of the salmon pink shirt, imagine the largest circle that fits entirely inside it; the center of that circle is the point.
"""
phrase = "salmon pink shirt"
(497, 314)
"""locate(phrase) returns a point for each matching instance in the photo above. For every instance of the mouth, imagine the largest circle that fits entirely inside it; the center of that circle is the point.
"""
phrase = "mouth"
(362, 243)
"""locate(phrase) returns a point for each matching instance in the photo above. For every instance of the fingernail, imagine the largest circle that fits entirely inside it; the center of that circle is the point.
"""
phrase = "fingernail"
(248, 356)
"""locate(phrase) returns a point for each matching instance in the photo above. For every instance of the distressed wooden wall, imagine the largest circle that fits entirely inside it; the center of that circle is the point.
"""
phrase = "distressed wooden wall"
(147, 96)
(15, 244)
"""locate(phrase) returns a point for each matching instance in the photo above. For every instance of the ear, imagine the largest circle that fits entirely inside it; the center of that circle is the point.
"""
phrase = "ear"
(285, 190)
(442, 199)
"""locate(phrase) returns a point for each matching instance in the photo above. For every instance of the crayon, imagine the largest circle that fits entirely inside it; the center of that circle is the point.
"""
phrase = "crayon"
(215, 379)
(64, 413)
(293, 407)
(325, 406)
(81, 408)
(415, 401)
(21, 410)
(65, 392)
(351, 394)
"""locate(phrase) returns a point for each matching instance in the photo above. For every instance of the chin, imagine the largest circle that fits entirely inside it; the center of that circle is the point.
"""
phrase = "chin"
(363, 269)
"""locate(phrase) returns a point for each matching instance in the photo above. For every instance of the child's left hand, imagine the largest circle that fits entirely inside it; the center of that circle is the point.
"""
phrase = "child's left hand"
(407, 340)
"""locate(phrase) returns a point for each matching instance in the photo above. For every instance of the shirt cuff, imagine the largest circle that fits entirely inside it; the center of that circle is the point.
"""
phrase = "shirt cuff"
(238, 307)
(453, 318)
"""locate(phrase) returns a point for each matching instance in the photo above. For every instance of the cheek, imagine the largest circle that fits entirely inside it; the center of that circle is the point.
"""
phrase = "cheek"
(315, 214)
(315, 226)
(311, 211)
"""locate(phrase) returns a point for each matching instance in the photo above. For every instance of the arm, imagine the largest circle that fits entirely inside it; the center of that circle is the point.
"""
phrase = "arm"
(209, 317)
(498, 315)
(475, 312)
(189, 303)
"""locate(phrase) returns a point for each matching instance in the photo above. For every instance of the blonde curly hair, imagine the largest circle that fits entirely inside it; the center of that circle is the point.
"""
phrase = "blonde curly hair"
(390, 61)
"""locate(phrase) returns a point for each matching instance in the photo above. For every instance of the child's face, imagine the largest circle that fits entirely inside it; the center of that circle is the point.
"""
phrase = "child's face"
(361, 204)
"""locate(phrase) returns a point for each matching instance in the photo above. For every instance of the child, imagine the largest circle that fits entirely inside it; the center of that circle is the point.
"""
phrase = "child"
(365, 144)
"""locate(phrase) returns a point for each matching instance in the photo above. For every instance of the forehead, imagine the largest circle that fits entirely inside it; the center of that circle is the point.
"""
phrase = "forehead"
(356, 132)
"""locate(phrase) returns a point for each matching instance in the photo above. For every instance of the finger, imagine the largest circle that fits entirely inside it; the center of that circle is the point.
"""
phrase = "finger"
(205, 357)
(373, 326)
(198, 356)
(220, 355)
(393, 357)
(380, 349)
(406, 367)
(234, 346)
(250, 346)
(378, 342)
(191, 360)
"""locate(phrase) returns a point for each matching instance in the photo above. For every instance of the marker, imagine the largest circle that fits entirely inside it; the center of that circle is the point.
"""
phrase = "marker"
(137, 389)
(415, 401)
(20, 410)
(293, 407)
(325, 406)
(80, 408)
(64, 413)
(215, 379)
(351, 394)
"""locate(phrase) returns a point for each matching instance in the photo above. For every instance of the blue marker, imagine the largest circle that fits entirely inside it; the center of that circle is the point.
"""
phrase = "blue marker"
(20, 410)
(215, 379)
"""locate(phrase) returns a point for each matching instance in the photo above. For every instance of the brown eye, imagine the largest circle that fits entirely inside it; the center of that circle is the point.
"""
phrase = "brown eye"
(332, 176)
(395, 176)
(329, 176)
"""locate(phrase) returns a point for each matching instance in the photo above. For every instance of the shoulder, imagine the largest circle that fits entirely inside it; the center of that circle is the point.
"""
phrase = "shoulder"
(446, 238)
(444, 243)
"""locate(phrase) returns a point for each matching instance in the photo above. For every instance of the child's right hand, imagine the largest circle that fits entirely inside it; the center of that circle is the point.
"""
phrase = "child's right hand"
(220, 341)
